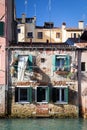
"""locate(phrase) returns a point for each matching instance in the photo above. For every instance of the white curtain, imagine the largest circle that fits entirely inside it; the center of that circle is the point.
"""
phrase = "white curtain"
(22, 62)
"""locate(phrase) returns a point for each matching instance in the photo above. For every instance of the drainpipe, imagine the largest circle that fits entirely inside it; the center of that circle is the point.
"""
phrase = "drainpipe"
(79, 82)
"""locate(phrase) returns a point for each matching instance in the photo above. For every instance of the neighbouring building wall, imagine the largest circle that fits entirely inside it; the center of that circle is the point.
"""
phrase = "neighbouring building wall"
(28, 31)
(73, 33)
(43, 82)
(11, 24)
(21, 32)
(52, 35)
(83, 77)
(6, 36)
(2, 57)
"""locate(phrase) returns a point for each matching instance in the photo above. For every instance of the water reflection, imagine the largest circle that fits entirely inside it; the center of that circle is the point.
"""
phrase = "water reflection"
(43, 124)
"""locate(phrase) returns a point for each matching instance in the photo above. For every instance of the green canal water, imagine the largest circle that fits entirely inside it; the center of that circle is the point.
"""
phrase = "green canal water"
(43, 124)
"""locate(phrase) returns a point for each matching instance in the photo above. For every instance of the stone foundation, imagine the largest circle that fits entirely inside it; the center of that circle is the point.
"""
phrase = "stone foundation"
(44, 110)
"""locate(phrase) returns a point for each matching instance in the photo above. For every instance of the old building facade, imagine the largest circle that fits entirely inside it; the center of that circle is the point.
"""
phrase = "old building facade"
(43, 80)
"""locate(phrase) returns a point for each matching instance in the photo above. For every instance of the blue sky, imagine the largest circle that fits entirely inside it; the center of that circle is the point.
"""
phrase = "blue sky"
(59, 11)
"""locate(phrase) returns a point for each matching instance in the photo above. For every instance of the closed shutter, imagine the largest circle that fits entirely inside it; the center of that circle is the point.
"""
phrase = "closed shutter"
(16, 94)
(30, 63)
(54, 62)
(66, 94)
(1, 28)
(29, 94)
(67, 63)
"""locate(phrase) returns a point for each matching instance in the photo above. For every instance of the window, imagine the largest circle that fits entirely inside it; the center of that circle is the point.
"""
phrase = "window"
(22, 63)
(40, 35)
(61, 62)
(47, 41)
(1, 28)
(73, 35)
(57, 35)
(42, 94)
(42, 60)
(30, 34)
(23, 94)
(82, 66)
(60, 95)
(19, 30)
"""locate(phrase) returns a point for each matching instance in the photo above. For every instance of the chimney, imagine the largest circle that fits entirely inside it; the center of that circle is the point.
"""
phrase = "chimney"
(63, 25)
(81, 24)
(23, 18)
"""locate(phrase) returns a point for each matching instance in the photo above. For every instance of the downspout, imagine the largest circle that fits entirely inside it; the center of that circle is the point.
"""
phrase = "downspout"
(79, 82)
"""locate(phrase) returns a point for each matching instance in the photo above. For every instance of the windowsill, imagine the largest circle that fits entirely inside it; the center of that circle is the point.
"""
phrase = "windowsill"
(23, 102)
(61, 102)
(42, 102)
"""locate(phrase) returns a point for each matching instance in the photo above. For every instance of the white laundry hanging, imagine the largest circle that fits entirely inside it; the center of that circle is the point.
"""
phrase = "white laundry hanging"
(22, 62)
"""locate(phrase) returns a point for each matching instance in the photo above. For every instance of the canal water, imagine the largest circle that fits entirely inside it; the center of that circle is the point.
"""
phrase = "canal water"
(43, 124)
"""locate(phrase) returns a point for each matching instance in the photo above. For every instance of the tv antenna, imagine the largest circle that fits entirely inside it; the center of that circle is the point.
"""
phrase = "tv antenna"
(26, 2)
(50, 17)
(35, 9)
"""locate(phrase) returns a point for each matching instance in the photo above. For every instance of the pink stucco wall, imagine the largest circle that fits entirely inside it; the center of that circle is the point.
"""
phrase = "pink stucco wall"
(2, 45)
(2, 60)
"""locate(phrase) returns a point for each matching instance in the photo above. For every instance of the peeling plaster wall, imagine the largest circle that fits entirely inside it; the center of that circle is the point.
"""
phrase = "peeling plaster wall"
(43, 75)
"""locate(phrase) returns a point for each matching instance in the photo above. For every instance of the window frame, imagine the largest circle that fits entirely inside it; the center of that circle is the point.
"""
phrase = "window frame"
(83, 67)
(46, 95)
(66, 66)
(58, 34)
(40, 35)
(29, 34)
(60, 101)
(18, 94)
(19, 30)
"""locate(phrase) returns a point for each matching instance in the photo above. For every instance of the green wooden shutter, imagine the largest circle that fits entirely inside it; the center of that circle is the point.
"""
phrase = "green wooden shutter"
(67, 63)
(54, 62)
(16, 94)
(48, 94)
(66, 94)
(30, 63)
(30, 94)
(1, 28)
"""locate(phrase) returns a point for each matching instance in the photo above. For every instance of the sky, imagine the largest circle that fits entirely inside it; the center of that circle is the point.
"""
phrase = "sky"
(57, 11)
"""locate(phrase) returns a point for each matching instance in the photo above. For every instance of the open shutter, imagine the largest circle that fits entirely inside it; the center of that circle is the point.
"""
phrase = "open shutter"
(30, 63)
(15, 58)
(16, 94)
(39, 94)
(48, 94)
(30, 94)
(1, 28)
(66, 94)
(67, 63)
(54, 62)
